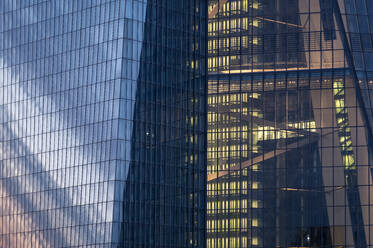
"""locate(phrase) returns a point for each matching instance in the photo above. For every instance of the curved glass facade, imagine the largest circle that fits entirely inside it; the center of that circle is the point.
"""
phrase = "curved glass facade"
(102, 123)
(288, 123)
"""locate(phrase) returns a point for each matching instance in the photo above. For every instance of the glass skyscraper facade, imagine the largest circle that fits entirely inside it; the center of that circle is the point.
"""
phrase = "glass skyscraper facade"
(289, 123)
(186, 123)
(102, 123)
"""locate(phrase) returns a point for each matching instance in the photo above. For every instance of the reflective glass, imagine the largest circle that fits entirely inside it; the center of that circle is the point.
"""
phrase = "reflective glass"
(288, 123)
(102, 123)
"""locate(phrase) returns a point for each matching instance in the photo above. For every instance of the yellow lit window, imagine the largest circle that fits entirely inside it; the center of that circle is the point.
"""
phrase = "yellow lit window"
(255, 41)
(254, 204)
(340, 121)
(255, 23)
(255, 185)
(255, 167)
(254, 222)
(254, 241)
(254, 95)
(244, 241)
(348, 160)
(339, 103)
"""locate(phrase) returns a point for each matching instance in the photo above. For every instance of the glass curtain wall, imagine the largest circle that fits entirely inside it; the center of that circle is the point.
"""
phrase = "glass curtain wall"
(288, 130)
(102, 123)
(164, 191)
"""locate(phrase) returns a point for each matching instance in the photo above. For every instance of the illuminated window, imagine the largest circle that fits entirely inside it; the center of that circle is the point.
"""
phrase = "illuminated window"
(255, 185)
(255, 167)
(254, 223)
(254, 204)
(254, 241)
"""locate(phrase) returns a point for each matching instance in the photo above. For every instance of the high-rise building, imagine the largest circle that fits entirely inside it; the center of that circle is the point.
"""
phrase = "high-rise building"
(102, 123)
(105, 106)
(290, 123)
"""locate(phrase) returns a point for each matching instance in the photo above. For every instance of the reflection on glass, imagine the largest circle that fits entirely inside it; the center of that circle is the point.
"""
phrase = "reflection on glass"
(285, 122)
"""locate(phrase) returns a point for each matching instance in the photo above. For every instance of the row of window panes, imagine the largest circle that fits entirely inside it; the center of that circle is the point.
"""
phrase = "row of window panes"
(231, 242)
(234, 223)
